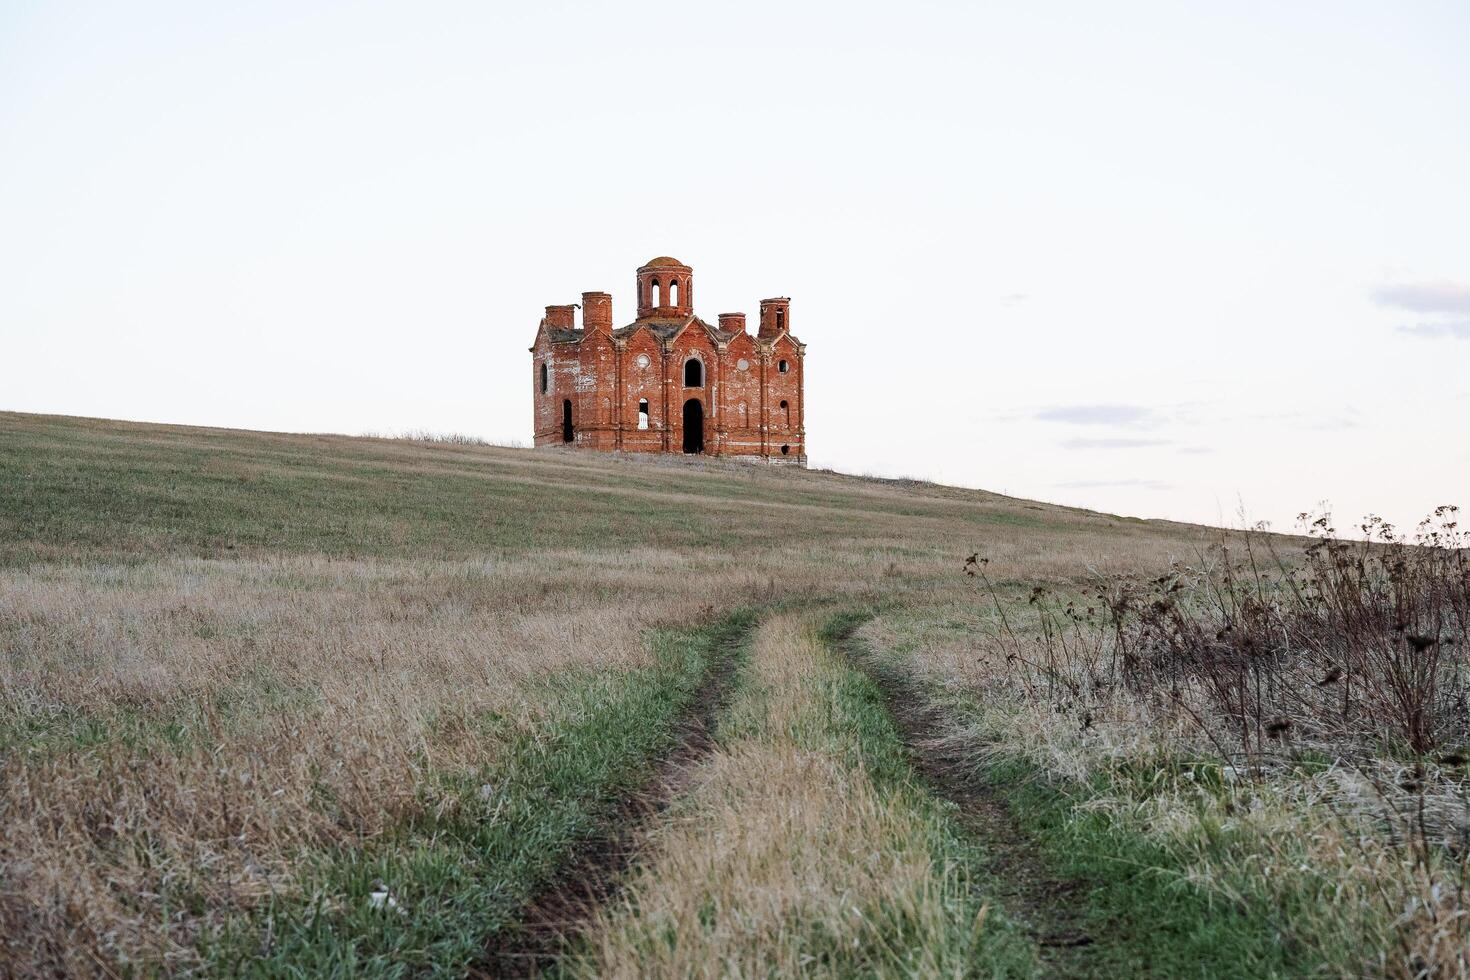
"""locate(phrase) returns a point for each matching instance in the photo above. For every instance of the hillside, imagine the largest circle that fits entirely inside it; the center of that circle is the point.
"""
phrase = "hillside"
(317, 704)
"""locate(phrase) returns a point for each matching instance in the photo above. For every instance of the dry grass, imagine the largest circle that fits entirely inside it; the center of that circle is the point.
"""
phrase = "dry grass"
(184, 731)
(784, 858)
(181, 734)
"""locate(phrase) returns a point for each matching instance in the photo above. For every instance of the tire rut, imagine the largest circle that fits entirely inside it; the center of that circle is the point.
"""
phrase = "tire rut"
(1048, 906)
(595, 872)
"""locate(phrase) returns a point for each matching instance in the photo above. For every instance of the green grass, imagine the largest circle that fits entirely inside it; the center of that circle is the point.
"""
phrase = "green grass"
(462, 877)
(128, 492)
(193, 497)
(1157, 923)
(859, 721)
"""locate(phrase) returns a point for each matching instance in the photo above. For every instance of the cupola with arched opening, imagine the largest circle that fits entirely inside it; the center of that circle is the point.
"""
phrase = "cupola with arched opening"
(665, 288)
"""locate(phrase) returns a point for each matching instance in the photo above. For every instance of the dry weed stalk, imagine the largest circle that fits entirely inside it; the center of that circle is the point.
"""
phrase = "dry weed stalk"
(1343, 669)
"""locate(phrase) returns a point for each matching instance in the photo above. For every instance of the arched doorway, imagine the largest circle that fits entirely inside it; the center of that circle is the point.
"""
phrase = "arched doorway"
(693, 426)
(566, 420)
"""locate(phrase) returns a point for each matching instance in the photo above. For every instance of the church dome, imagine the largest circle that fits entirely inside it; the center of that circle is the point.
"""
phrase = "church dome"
(665, 288)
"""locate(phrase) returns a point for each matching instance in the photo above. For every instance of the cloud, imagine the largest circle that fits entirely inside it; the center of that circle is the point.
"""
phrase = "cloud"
(1112, 443)
(1131, 415)
(1425, 297)
(1311, 420)
(1455, 329)
(1109, 484)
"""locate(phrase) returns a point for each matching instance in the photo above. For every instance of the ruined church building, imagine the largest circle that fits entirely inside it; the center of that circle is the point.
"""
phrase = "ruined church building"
(669, 382)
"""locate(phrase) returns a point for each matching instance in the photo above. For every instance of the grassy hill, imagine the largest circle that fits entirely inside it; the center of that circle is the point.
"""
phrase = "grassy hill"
(298, 704)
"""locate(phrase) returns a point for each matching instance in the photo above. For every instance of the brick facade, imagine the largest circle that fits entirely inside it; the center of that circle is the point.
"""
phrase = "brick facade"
(669, 382)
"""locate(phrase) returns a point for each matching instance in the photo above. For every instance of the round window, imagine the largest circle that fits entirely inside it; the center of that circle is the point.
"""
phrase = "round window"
(743, 364)
(642, 360)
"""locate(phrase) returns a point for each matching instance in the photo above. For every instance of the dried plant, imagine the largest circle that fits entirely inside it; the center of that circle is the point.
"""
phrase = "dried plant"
(1329, 679)
(1355, 646)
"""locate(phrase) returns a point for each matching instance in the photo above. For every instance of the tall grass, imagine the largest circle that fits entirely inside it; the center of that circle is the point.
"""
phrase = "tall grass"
(178, 735)
(445, 438)
(458, 874)
(1290, 721)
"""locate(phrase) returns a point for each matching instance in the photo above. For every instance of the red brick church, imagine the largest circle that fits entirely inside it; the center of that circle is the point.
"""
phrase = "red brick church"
(669, 382)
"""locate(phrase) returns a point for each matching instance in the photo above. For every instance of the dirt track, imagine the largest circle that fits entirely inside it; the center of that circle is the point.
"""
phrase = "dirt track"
(1047, 905)
(592, 875)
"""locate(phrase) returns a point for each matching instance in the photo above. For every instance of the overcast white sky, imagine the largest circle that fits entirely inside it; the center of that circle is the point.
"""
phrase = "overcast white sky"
(1161, 259)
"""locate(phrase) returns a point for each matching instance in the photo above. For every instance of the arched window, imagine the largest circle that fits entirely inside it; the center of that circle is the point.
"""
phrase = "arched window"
(780, 319)
(693, 373)
(545, 378)
(786, 413)
(643, 413)
(653, 293)
(674, 290)
(783, 367)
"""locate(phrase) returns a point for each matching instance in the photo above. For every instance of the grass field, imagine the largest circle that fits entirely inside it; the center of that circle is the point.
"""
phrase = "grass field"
(318, 705)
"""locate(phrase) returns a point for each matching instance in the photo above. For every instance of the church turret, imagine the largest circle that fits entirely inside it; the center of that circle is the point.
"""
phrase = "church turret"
(596, 313)
(562, 317)
(775, 316)
(665, 288)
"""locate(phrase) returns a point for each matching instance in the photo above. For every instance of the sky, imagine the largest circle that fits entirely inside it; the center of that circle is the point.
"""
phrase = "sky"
(1199, 261)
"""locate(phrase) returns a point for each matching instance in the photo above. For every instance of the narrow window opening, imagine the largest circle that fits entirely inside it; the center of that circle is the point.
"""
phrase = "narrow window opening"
(567, 433)
(545, 379)
(786, 413)
(643, 413)
(654, 291)
(780, 319)
(693, 373)
(783, 367)
(674, 290)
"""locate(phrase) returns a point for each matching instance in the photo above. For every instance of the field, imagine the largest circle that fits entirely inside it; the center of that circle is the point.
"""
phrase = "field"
(312, 705)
